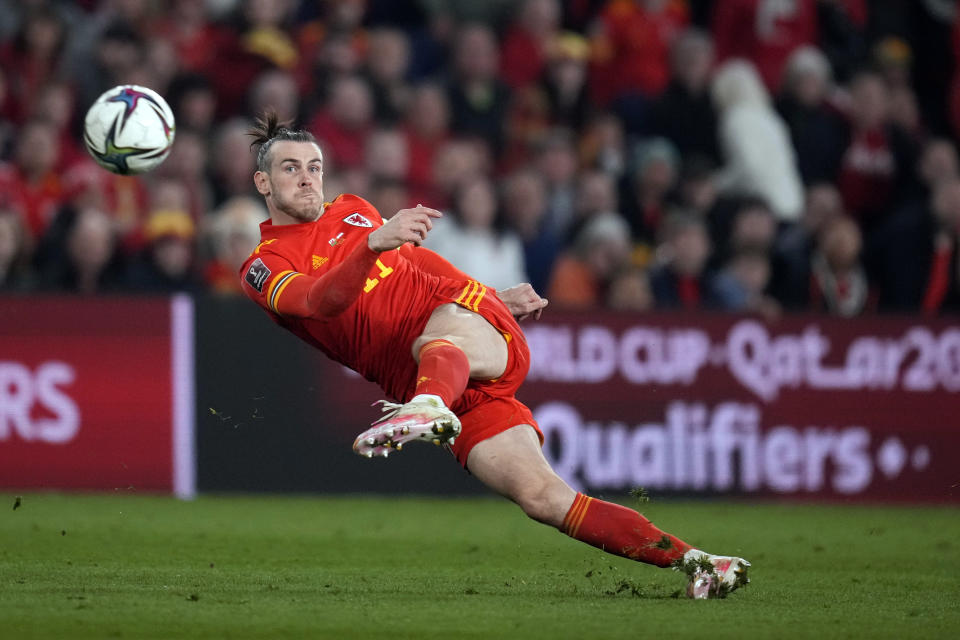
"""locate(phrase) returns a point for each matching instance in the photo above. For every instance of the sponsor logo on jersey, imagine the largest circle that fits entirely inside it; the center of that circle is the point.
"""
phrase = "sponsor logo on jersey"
(357, 220)
(257, 275)
(337, 241)
(319, 261)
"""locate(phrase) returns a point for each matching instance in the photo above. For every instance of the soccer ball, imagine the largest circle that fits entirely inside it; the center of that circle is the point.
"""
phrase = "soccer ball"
(129, 129)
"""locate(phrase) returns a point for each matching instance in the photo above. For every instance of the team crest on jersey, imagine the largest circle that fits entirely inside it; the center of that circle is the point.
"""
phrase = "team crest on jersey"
(257, 275)
(357, 220)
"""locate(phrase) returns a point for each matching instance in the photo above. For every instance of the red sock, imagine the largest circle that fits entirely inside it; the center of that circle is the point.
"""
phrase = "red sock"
(444, 371)
(621, 531)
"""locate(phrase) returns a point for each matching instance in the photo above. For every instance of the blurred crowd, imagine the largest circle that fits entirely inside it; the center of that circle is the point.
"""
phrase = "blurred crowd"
(743, 155)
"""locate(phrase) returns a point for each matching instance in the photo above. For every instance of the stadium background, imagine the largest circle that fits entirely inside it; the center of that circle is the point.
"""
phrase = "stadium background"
(753, 290)
(666, 169)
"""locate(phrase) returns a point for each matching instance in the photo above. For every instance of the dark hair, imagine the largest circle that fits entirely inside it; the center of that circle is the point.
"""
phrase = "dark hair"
(267, 130)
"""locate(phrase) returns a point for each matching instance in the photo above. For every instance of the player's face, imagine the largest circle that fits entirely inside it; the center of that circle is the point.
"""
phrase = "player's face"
(294, 185)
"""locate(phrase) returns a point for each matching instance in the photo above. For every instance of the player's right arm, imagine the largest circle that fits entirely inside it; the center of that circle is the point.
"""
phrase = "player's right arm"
(273, 283)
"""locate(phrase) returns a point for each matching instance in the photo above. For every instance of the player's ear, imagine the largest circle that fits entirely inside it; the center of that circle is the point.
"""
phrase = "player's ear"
(262, 182)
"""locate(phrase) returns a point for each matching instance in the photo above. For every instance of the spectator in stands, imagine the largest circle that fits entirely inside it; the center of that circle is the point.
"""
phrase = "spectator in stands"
(232, 164)
(15, 274)
(878, 159)
(527, 212)
(35, 55)
(557, 162)
(388, 59)
(645, 199)
(262, 41)
(697, 189)
(527, 42)
(85, 258)
(388, 194)
(816, 127)
(346, 121)
(938, 163)
(30, 185)
(596, 193)
(632, 42)
(564, 82)
(630, 291)
(55, 105)
(166, 265)
(478, 98)
(758, 157)
(603, 145)
(194, 102)
(742, 283)
(684, 113)
(160, 66)
(277, 90)
(472, 237)
(905, 114)
(916, 256)
(233, 232)
(838, 282)
(426, 128)
(680, 279)
(753, 226)
(582, 274)
(763, 32)
(454, 164)
(194, 38)
(793, 250)
(385, 157)
(118, 54)
(892, 58)
(187, 165)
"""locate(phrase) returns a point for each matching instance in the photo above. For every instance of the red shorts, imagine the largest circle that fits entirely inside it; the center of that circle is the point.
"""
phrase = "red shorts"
(489, 407)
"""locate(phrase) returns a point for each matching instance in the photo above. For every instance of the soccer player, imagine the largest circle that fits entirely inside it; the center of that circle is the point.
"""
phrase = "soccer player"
(447, 348)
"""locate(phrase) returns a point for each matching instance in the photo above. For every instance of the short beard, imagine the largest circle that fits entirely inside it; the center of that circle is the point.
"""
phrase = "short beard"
(304, 213)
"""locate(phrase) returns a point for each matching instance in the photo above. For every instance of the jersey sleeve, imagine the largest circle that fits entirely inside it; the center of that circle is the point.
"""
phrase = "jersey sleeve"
(291, 293)
(265, 277)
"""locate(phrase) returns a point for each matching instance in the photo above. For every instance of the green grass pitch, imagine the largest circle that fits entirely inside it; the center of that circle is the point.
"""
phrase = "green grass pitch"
(87, 566)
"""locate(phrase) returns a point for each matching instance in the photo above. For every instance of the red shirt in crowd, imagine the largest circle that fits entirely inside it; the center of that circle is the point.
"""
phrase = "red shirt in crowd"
(36, 202)
(765, 32)
(867, 174)
(632, 52)
(347, 148)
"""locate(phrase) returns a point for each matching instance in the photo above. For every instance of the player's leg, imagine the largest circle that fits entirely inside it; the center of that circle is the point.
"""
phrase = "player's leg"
(455, 346)
(482, 345)
(512, 464)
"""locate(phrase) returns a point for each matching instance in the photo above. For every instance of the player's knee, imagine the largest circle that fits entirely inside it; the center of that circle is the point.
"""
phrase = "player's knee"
(540, 502)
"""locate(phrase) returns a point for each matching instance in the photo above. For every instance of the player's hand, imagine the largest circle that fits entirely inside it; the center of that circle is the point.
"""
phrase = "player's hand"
(523, 301)
(409, 225)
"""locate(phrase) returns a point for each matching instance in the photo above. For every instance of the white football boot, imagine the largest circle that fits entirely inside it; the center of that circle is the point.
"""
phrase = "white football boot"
(425, 417)
(712, 576)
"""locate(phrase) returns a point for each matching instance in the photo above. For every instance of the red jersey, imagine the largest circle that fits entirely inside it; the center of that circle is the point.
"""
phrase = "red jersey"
(374, 335)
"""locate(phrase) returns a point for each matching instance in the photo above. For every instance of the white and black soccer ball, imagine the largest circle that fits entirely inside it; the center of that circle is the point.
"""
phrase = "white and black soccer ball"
(129, 129)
